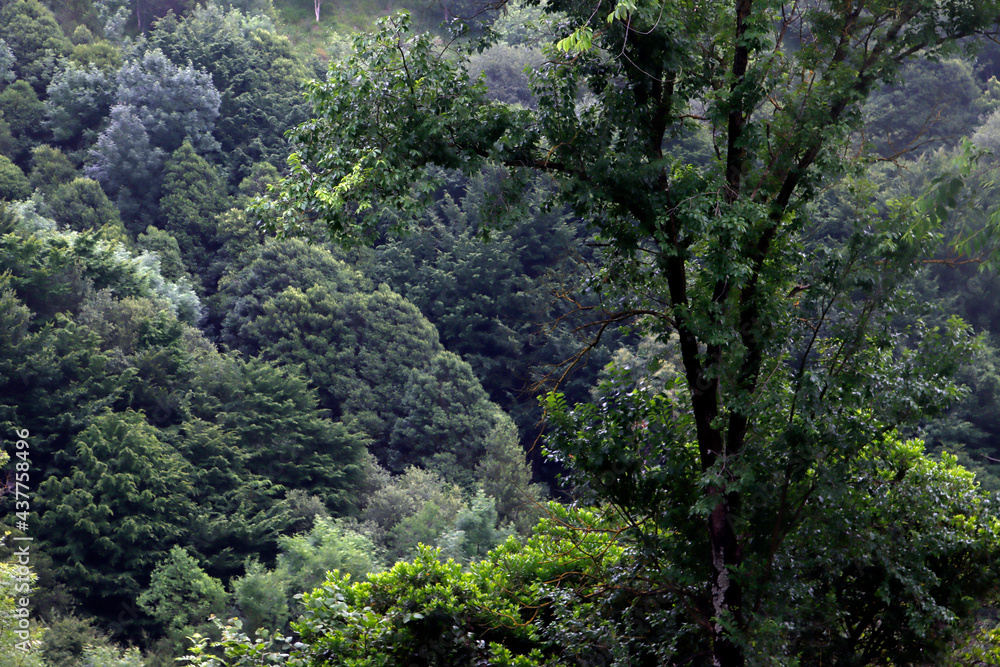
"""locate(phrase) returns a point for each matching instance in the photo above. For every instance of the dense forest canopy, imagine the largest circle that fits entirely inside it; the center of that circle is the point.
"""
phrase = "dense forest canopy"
(554, 334)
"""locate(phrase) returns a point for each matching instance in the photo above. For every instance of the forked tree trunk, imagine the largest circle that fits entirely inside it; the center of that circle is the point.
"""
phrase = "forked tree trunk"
(316, 5)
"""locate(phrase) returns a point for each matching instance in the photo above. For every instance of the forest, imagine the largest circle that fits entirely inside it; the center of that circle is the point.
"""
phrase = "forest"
(520, 333)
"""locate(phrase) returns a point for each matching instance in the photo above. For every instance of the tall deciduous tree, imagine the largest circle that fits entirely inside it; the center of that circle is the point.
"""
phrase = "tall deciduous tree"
(793, 375)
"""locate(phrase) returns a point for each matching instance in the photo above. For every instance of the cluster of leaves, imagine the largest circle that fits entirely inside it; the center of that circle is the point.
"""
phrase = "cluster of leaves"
(582, 590)
(514, 607)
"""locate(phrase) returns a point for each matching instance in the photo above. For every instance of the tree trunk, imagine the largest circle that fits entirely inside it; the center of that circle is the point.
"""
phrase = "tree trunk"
(316, 5)
(727, 595)
(726, 554)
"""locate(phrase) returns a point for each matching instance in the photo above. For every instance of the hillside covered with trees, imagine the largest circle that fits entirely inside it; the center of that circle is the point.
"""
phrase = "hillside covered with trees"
(518, 334)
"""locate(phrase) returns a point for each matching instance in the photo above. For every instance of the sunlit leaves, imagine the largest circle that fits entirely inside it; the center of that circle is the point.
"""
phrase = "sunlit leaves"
(396, 124)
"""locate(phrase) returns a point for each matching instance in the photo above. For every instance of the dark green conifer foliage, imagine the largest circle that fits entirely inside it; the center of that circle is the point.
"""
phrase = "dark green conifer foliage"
(296, 305)
(273, 415)
(110, 519)
(237, 513)
(147, 12)
(14, 184)
(446, 418)
(56, 382)
(505, 476)
(509, 306)
(81, 205)
(358, 349)
(67, 637)
(372, 357)
(255, 71)
(24, 114)
(270, 270)
(50, 168)
(36, 39)
(165, 245)
(193, 196)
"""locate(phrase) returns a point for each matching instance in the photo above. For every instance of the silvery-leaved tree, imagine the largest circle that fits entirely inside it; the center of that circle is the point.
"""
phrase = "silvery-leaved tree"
(761, 485)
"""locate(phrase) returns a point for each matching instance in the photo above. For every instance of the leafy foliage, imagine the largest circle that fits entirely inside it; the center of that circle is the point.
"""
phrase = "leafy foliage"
(23, 112)
(781, 399)
(20, 645)
(32, 34)
(505, 476)
(504, 610)
(13, 183)
(255, 72)
(307, 557)
(181, 596)
(50, 168)
(81, 205)
(78, 100)
(127, 497)
(193, 195)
